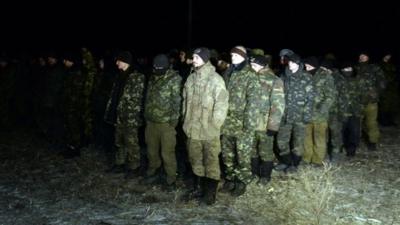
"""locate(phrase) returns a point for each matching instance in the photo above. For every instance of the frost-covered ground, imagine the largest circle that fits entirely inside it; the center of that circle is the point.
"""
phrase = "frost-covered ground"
(39, 187)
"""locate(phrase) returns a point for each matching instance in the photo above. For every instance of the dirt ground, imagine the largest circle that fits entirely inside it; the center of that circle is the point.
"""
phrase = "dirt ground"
(39, 187)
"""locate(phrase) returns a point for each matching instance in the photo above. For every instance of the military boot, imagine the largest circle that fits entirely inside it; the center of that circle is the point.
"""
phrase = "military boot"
(265, 172)
(228, 186)
(116, 169)
(255, 166)
(210, 191)
(240, 188)
(285, 162)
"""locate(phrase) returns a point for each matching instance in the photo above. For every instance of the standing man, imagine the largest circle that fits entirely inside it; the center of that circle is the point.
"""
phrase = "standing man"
(162, 109)
(124, 112)
(272, 105)
(204, 109)
(373, 81)
(299, 96)
(240, 125)
(315, 143)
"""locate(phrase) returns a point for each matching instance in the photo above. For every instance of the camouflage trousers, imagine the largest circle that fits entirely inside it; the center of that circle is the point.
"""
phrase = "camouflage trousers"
(335, 133)
(203, 156)
(371, 122)
(263, 146)
(291, 138)
(236, 154)
(315, 143)
(128, 150)
(161, 141)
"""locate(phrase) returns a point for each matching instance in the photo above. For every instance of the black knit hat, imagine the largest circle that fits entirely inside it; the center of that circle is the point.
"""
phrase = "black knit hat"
(125, 57)
(285, 52)
(260, 60)
(161, 61)
(329, 64)
(240, 50)
(312, 61)
(204, 53)
(294, 58)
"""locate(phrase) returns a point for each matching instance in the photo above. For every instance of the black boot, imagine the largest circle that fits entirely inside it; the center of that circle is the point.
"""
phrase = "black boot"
(199, 185)
(372, 146)
(240, 188)
(296, 160)
(350, 151)
(132, 173)
(116, 169)
(255, 166)
(228, 186)
(210, 191)
(265, 171)
(285, 162)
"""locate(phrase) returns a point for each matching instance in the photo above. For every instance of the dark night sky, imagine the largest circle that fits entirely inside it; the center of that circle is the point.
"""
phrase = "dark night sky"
(156, 26)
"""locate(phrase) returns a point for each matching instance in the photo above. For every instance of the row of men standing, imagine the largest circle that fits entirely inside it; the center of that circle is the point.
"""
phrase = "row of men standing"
(237, 114)
(236, 107)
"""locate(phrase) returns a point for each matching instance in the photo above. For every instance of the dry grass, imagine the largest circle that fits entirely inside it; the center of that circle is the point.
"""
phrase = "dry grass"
(299, 198)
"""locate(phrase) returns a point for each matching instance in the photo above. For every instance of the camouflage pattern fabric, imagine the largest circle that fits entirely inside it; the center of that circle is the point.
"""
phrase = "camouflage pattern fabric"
(163, 98)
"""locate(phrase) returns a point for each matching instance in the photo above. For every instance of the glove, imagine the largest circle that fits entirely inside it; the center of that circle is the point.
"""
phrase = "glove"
(271, 132)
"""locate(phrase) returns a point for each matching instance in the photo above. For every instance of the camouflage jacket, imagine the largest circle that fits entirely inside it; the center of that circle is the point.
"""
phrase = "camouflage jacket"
(350, 96)
(373, 81)
(130, 105)
(163, 98)
(325, 94)
(205, 103)
(337, 78)
(299, 96)
(272, 101)
(244, 91)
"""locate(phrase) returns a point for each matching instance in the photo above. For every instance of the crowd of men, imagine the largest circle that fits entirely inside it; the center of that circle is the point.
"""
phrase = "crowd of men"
(231, 117)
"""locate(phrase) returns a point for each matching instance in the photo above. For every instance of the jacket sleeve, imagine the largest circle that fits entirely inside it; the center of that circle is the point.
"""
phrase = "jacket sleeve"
(309, 100)
(277, 105)
(221, 103)
(176, 99)
(252, 103)
(134, 104)
(329, 95)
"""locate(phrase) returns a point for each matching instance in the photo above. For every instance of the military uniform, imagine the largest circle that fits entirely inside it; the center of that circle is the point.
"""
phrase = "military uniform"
(162, 110)
(272, 106)
(315, 142)
(373, 82)
(204, 109)
(334, 123)
(299, 97)
(126, 116)
(350, 94)
(239, 128)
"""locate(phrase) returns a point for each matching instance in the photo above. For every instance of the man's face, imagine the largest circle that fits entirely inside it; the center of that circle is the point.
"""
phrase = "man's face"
(122, 65)
(51, 60)
(293, 66)
(236, 58)
(182, 56)
(68, 63)
(387, 58)
(256, 67)
(101, 64)
(363, 58)
(309, 67)
(197, 61)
